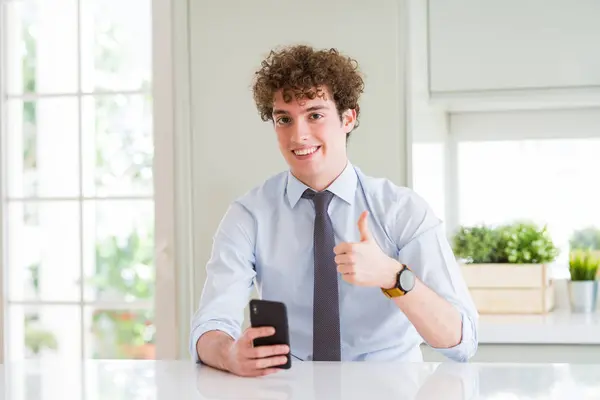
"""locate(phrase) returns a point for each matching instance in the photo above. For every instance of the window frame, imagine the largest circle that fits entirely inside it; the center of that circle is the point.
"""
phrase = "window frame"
(2, 183)
(501, 124)
(165, 302)
(172, 176)
(545, 121)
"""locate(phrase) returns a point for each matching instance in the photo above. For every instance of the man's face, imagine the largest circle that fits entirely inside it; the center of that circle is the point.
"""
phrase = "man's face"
(311, 136)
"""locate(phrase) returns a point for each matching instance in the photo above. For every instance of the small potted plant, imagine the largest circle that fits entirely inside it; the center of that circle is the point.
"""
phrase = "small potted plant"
(506, 267)
(583, 286)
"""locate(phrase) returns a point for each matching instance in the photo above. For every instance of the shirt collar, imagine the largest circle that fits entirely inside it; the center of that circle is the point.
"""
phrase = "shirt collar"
(343, 187)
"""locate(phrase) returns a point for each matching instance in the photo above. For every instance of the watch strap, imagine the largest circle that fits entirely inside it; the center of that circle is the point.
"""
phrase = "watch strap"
(393, 292)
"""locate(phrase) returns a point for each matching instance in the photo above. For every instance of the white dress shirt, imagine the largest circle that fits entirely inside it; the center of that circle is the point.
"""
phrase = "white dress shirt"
(266, 239)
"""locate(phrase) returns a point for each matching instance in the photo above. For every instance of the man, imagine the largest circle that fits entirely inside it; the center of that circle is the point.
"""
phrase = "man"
(363, 266)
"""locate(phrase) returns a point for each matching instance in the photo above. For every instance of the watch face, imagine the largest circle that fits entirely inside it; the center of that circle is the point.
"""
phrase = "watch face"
(407, 280)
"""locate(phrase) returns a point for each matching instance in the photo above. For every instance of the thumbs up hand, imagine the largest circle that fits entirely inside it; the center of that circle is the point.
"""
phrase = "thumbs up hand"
(364, 263)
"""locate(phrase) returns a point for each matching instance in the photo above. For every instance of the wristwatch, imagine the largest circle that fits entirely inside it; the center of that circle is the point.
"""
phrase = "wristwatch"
(405, 282)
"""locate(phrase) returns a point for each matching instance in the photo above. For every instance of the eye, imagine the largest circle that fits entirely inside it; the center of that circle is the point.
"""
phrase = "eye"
(316, 116)
(283, 120)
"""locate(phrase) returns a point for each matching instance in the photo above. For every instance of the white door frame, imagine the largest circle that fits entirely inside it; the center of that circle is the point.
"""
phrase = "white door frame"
(173, 177)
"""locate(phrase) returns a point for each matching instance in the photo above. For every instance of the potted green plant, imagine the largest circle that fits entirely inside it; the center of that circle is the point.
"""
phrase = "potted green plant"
(583, 286)
(506, 266)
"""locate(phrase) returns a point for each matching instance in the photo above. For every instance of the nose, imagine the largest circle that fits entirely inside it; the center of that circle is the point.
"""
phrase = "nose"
(300, 132)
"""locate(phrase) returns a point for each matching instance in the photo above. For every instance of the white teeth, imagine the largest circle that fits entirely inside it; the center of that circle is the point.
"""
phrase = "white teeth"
(305, 152)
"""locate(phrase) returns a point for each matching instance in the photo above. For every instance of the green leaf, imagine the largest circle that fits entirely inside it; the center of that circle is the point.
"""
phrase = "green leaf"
(518, 243)
(583, 265)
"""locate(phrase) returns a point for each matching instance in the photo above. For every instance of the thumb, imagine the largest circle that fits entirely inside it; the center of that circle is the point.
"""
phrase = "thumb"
(363, 227)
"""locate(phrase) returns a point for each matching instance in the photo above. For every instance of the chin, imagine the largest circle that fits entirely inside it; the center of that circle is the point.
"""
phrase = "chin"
(305, 171)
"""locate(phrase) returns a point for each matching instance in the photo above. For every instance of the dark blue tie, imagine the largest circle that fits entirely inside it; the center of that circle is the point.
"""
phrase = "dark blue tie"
(326, 311)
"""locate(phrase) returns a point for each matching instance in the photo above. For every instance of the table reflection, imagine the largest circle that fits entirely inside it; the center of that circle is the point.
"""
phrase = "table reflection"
(116, 380)
(346, 381)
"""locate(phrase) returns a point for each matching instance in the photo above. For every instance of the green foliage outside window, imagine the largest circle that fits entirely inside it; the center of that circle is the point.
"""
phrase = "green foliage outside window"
(124, 266)
(124, 269)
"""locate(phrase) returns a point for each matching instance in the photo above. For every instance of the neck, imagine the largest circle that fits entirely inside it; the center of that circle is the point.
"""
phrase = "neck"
(323, 181)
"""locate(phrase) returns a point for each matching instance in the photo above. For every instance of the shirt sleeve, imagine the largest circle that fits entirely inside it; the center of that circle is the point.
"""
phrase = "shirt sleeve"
(429, 254)
(230, 275)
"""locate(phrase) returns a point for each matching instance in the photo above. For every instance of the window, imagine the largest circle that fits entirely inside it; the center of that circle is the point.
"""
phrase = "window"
(503, 167)
(77, 195)
(551, 182)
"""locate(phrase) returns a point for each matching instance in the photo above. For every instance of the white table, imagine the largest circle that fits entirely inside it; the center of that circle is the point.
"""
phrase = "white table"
(115, 380)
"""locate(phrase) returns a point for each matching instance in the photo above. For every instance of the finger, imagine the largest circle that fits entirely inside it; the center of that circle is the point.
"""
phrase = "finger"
(363, 227)
(262, 363)
(267, 351)
(343, 248)
(255, 333)
(346, 269)
(346, 258)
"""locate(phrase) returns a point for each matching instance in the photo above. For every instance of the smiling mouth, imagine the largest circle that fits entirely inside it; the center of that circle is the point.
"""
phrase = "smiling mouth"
(306, 151)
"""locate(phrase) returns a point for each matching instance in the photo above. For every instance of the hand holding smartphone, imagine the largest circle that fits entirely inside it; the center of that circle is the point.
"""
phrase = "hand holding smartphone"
(263, 348)
(267, 313)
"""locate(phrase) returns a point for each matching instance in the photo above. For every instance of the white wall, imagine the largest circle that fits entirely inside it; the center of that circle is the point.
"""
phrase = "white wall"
(427, 122)
(233, 150)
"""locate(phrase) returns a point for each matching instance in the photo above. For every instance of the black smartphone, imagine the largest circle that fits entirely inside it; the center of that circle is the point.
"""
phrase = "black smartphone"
(273, 314)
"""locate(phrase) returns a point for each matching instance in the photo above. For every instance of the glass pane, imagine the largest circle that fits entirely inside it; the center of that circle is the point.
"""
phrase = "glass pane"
(45, 333)
(43, 148)
(119, 250)
(116, 44)
(43, 249)
(550, 182)
(428, 175)
(118, 146)
(120, 334)
(41, 46)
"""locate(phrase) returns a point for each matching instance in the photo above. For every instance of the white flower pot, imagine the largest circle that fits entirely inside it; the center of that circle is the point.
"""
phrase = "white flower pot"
(583, 296)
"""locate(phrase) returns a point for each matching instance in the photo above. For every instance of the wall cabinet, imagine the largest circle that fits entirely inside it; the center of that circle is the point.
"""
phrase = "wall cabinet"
(482, 46)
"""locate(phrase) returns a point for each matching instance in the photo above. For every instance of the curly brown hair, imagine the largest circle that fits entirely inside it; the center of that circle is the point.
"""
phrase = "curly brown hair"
(302, 71)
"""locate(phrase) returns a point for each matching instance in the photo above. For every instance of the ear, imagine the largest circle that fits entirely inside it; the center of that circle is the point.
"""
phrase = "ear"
(349, 119)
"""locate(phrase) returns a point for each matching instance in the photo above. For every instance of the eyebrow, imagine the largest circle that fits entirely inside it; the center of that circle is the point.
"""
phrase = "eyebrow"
(309, 109)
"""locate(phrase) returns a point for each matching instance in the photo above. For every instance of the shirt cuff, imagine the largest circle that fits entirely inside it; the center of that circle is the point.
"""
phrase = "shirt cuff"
(467, 347)
(200, 330)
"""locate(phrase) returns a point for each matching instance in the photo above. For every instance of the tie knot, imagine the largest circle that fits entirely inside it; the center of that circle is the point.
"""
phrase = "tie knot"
(321, 199)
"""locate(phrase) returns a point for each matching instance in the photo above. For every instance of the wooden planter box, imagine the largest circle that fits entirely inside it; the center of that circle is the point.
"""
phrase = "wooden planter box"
(510, 288)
